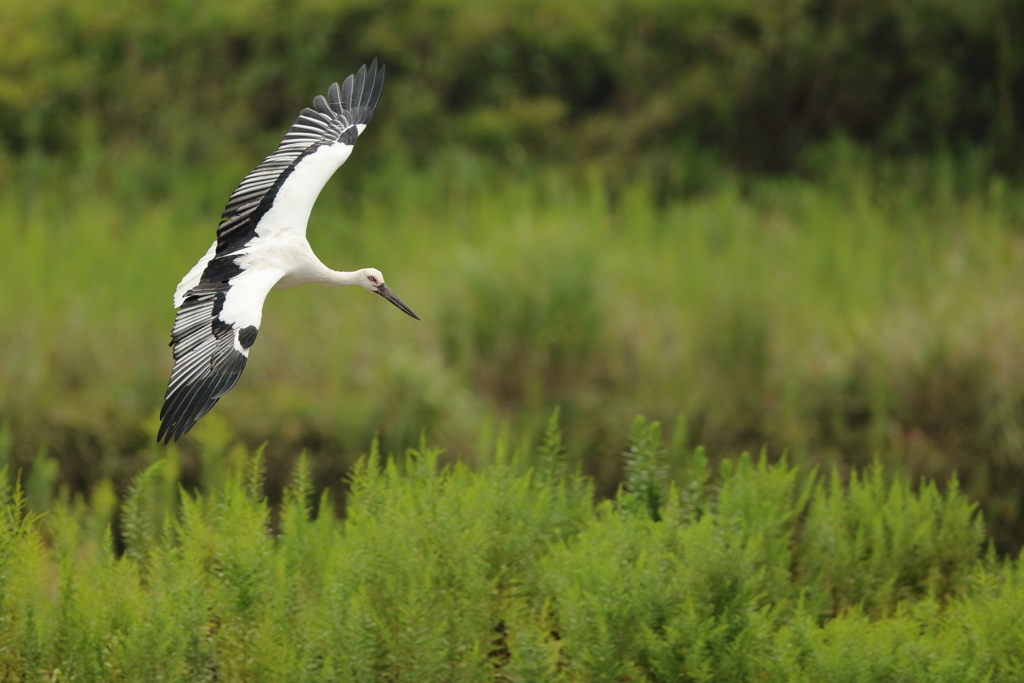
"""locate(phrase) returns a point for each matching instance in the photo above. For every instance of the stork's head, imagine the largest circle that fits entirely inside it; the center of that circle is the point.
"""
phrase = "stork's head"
(373, 280)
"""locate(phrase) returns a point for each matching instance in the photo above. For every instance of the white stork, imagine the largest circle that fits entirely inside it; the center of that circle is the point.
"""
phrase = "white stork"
(261, 245)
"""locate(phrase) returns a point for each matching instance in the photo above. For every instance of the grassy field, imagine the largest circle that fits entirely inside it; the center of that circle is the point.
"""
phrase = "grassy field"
(869, 312)
(510, 572)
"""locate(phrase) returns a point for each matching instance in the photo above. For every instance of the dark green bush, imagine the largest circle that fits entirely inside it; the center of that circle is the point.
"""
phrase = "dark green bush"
(635, 84)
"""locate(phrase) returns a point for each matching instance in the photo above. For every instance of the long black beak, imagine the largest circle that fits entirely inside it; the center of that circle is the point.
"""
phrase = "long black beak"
(390, 296)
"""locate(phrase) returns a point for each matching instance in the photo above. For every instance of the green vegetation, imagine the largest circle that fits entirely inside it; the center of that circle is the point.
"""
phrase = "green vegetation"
(790, 227)
(841, 319)
(567, 196)
(509, 570)
(630, 84)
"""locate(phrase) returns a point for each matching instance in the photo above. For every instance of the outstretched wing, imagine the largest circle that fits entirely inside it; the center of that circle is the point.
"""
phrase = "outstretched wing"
(213, 330)
(339, 119)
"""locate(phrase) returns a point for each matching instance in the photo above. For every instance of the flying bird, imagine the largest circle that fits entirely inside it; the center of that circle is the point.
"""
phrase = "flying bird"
(261, 245)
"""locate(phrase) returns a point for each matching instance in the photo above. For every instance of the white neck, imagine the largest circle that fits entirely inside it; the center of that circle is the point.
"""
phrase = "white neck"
(341, 278)
(301, 266)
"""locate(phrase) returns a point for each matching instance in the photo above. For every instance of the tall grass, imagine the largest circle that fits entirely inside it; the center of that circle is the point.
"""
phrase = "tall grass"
(510, 571)
(858, 315)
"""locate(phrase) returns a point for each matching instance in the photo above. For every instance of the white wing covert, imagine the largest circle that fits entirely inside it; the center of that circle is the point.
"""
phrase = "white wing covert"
(339, 118)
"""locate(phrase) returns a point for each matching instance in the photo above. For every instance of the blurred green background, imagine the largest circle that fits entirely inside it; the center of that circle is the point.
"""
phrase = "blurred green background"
(791, 224)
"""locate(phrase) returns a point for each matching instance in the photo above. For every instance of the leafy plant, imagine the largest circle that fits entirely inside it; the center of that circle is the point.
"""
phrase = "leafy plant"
(446, 573)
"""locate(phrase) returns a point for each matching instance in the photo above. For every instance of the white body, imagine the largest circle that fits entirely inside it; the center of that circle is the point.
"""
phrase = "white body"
(280, 257)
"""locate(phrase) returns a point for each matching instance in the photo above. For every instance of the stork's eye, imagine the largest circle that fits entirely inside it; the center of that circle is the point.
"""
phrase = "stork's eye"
(372, 279)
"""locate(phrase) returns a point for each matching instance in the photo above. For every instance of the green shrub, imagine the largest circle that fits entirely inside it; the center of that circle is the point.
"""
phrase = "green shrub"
(510, 570)
(872, 545)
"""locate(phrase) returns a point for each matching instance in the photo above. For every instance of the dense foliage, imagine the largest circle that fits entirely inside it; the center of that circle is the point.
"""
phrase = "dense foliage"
(861, 316)
(559, 190)
(754, 572)
(657, 84)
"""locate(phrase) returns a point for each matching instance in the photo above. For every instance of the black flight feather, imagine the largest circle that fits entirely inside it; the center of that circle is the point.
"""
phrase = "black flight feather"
(325, 123)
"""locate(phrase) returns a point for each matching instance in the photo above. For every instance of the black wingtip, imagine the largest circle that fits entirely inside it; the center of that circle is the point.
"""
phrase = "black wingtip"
(346, 92)
(188, 403)
(165, 434)
(359, 93)
(378, 87)
(321, 105)
(334, 98)
(359, 86)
